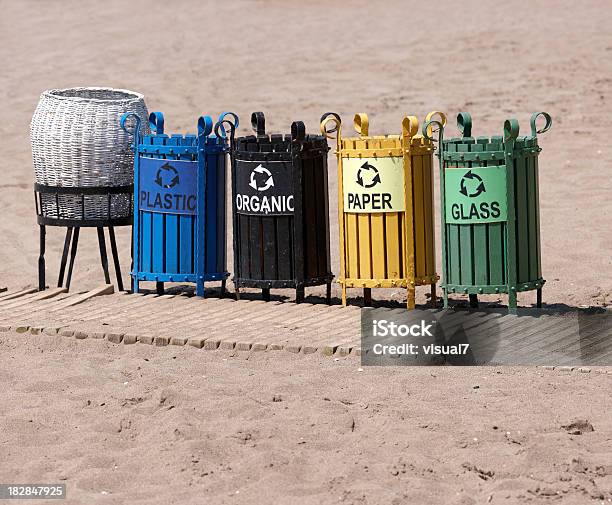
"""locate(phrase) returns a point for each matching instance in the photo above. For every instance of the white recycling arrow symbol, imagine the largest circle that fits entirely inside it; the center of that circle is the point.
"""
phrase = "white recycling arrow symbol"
(260, 169)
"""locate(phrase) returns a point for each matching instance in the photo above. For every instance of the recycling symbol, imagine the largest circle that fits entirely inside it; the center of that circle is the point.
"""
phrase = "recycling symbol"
(474, 182)
(371, 174)
(167, 176)
(262, 174)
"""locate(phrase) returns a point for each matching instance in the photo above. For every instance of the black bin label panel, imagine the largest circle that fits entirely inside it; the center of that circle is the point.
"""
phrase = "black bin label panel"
(264, 188)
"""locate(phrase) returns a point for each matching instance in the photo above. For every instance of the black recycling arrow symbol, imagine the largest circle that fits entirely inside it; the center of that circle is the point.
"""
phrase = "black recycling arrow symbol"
(472, 176)
(159, 177)
(370, 168)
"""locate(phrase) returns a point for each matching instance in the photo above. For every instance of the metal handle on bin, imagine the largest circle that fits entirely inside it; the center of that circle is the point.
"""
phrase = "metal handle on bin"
(547, 125)
(123, 122)
(258, 122)
(430, 116)
(410, 126)
(511, 129)
(156, 122)
(361, 124)
(464, 124)
(205, 126)
(328, 118)
(298, 131)
(220, 126)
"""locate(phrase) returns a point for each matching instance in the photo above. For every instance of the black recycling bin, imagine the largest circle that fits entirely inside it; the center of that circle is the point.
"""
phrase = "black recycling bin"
(280, 210)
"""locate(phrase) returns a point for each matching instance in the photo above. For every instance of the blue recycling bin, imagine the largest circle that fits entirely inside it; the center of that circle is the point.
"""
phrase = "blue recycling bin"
(179, 203)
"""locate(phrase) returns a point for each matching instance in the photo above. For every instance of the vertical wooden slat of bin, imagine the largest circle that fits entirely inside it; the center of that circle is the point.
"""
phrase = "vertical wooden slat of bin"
(172, 245)
(420, 224)
(321, 205)
(146, 228)
(522, 218)
(363, 243)
(211, 176)
(410, 126)
(350, 230)
(532, 204)
(310, 217)
(393, 231)
(221, 243)
(453, 234)
(466, 231)
(263, 233)
(511, 129)
(158, 231)
(496, 235)
(255, 243)
(298, 136)
(481, 265)
(187, 224)
(428, 192)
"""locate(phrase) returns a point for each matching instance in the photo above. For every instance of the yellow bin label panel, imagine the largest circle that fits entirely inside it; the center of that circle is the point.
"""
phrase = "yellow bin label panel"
(373, 184)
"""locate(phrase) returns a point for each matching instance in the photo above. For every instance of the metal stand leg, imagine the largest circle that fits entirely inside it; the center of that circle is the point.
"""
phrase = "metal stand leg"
(328, 294)
(237, 290)
(434, 297)
(113, 243)
(474, 301)
(223, 288)
(445, 298)
(367, 297)
(539, 298)
(159, 287)
(60, 279)
(299, 294)
(344, 295)
(103, 256)
(41, 259)
(73, 251)
(265, 293)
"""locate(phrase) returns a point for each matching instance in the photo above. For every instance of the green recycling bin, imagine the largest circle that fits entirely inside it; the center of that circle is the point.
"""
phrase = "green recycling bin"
(490, 211)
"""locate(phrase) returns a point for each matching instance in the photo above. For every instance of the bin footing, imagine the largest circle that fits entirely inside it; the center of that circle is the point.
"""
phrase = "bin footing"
(159, 288)
(367, 297)
(473, 301)
(299, 294)
(223, 288)
(265, 293)
(328, 294)
(539, 298)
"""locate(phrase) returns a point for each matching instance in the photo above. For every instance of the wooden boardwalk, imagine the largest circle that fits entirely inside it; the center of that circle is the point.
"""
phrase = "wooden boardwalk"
(254, 325)
(179, 319)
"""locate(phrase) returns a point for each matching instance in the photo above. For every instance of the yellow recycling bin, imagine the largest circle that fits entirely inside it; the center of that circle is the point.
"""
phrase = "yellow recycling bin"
(385, 207)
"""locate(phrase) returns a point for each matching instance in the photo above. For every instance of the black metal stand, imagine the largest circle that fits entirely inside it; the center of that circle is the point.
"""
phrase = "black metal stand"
(70, 244)
(49, 212)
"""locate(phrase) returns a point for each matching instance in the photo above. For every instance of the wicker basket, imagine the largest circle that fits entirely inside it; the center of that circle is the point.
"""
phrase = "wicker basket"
(77, 142)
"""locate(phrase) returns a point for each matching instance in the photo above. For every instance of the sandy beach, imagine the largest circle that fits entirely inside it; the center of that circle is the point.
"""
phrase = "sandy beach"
(143, 424)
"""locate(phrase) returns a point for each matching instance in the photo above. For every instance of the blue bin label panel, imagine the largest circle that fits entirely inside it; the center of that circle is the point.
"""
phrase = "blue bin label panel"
(168, 186)
(264, 188)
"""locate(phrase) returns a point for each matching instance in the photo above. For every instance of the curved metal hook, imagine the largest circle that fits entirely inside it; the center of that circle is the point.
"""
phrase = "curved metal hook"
(258, 122)
(234, 118)
(464, 124)
(205, 126)
(410, 126)
(137, 122)
(221, 130)
(511, 129)
(361, 124)
(547, 125)
(330, 117)
(156, 122)
(428, 130)
(431, 115)
(298, 131)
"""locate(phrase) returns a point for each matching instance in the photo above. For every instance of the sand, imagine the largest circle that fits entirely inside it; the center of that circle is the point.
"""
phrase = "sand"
(413, 435)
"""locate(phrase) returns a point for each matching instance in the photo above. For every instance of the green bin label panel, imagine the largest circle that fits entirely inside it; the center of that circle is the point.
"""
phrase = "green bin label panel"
(475, 195)
(373, 184)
